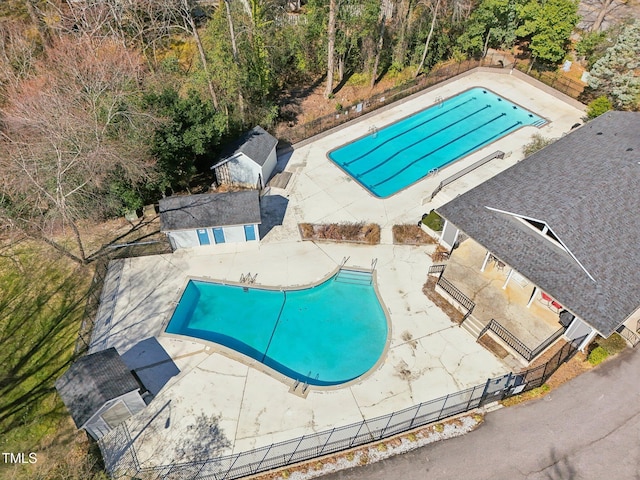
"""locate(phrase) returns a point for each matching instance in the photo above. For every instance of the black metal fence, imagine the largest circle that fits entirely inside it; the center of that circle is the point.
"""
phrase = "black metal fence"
(297, 133)
(121, 460)
(516, 344)
(556, 80)
(457, 295)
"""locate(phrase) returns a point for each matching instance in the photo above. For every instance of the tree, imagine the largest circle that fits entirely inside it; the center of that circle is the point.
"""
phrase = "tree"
(68, 130)
(331, 35)
(187, 139)
(598, 106)
(616, 73)
(548, 23)
(494, 23)
(434, 17)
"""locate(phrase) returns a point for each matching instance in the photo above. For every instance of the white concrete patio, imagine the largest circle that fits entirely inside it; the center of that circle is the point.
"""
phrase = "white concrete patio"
(221, 403)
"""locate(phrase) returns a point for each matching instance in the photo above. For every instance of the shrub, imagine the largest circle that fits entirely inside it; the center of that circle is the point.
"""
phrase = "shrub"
(538, 142)
(598, 106)
(613, 345)
(597, 356)
(359, 79)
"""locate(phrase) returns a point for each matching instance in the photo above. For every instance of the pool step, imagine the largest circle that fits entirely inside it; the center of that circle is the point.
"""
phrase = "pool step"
(540, 122)
(354, 276)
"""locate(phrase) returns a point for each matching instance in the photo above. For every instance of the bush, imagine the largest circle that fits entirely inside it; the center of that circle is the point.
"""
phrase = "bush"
(433, 221)
(359, 79)
(538, 142)
(597, 356)
(613, 345)
(598, 106)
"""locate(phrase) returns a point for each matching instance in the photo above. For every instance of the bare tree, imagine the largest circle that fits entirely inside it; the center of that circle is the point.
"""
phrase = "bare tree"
(331, 47)
(67, 130)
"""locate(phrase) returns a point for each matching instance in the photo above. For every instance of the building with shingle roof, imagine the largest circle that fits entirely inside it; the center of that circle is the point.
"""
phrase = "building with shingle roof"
(210, 218)
(249, 161)
(566, 219)
(100, 392)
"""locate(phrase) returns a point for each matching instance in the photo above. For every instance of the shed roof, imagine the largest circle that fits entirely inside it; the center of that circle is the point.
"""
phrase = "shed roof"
(256, 144)
(585, 188)
(207, 210)
(92, 381)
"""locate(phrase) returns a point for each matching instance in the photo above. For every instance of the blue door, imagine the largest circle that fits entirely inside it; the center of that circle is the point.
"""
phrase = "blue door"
(249, 232)
(203, 237)
(218, 235)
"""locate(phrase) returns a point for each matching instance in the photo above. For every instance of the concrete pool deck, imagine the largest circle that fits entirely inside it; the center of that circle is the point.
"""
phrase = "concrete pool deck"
(217, 405)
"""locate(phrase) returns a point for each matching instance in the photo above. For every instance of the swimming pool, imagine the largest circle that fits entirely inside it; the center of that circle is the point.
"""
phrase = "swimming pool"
(323, 335)
(387, 160)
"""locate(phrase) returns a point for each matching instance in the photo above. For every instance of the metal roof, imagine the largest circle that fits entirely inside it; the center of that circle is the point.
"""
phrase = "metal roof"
(207, 210)
(92, 381)
(585, 188)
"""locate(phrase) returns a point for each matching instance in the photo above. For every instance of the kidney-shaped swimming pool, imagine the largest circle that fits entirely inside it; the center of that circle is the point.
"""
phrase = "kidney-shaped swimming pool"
(327, 334)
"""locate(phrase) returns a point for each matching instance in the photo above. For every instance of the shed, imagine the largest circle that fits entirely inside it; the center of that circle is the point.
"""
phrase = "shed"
(211, 218)
(249, 161)
(100, 392)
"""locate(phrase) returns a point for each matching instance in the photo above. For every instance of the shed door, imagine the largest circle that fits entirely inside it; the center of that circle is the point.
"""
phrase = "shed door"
(218, 235)
(249, 232)
(116, 415)
(203, 237)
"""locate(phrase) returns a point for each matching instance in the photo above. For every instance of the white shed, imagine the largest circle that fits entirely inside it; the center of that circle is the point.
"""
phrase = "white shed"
(249, 161)
(211, 218)
(100, 392)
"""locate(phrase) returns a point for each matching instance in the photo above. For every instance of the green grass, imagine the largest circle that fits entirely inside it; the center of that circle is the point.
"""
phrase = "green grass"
(433, 221)
(42, 299)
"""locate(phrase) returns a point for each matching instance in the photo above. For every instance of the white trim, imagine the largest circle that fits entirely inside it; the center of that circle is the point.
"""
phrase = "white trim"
(586, 341)
(506, 282)
(533, 295)
(544, 234)
(486, 259)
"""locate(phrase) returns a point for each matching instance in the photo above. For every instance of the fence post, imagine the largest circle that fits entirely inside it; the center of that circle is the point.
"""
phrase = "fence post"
(295, 450)
(443, 405)
(265, 456)
(387, 426)
(415, 415)
(356, 435)
(328, 438)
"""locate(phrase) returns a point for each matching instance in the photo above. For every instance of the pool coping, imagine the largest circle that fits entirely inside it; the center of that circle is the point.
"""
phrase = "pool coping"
(436, 170)
(211, 347)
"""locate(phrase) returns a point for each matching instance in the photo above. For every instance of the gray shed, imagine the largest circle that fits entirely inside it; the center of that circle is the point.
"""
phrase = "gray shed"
(100, 392)
(211, 218)
(249, 161)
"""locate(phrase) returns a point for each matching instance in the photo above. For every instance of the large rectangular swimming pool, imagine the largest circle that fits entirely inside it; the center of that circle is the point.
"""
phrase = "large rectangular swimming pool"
(390, 159)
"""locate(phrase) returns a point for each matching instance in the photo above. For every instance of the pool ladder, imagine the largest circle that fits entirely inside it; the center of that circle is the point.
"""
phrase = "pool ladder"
(373, 130)
(248, 278)
(305, 384)
(439, 100)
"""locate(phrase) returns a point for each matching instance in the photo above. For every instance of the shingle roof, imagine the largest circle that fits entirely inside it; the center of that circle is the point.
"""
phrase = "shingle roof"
(92, 381)
(186, 212)
(256, 144)
(585, 188)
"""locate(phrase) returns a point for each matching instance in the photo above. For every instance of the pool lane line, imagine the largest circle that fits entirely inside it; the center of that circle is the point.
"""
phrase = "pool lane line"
(393, 155)
(346, 164)
(439, 148)
(275, 326)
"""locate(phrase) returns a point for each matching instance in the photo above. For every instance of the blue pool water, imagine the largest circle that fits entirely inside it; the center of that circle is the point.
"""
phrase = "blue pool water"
(392, 158)
(324, 335)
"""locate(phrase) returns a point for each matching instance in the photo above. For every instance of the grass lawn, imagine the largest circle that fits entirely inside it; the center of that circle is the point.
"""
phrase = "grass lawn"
(42, 300)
